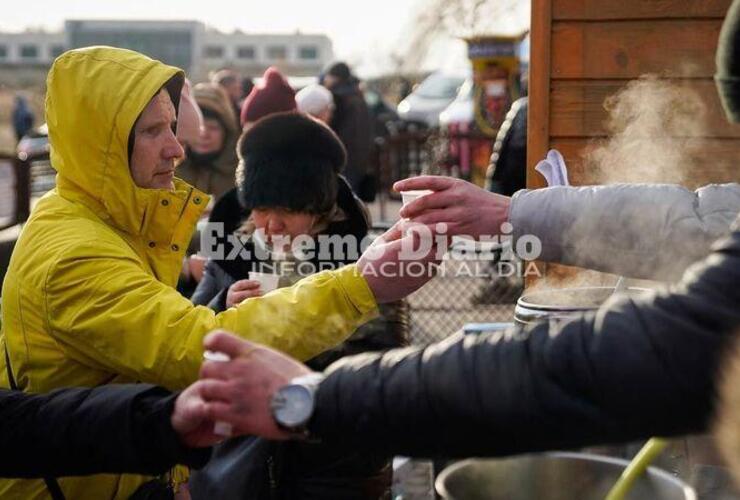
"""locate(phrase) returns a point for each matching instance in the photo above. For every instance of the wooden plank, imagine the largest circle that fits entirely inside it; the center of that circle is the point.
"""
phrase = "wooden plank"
(577, 107)
(538, 134)
(706, 161)
(626, 50)
(638, 9)
(538, 112)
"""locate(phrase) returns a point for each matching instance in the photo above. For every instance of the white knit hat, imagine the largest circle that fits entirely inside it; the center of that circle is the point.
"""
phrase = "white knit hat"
(314, 99)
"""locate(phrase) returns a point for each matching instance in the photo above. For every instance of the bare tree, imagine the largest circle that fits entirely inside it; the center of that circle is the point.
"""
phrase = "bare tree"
(456, 18)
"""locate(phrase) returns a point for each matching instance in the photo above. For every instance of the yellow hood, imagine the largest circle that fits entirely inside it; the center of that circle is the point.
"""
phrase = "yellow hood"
(89, 127)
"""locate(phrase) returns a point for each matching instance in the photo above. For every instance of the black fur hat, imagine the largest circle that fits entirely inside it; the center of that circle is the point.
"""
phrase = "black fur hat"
(289, 160)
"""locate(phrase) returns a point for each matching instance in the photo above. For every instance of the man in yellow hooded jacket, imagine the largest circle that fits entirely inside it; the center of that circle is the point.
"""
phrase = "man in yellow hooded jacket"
(89, 295)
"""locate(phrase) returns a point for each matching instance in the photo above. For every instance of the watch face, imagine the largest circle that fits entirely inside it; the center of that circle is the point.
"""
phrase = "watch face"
(292, 406)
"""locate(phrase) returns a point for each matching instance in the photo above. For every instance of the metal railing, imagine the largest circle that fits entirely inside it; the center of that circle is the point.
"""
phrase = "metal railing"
(14, 191)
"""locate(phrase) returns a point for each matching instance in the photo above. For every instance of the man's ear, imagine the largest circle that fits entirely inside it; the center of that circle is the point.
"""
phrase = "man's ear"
(131, 142)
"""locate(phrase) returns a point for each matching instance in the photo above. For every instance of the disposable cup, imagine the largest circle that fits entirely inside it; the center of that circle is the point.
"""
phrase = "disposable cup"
(219, 428)
(409, 196)
(268, 282)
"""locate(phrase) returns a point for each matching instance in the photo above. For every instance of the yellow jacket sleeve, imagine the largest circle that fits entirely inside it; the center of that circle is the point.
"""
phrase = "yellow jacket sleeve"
(107, 312)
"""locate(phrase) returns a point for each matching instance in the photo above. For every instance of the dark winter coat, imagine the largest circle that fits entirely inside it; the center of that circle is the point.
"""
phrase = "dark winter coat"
(228, 211)
(507, 172)
(637, 367)
(107, 429)
(353, 124)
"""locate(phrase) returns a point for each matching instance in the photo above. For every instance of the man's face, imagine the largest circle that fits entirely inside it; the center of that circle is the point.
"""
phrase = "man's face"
(156, 149)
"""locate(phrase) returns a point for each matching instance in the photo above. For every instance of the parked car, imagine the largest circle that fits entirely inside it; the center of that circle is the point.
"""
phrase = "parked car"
(34, 143)
(431, 97)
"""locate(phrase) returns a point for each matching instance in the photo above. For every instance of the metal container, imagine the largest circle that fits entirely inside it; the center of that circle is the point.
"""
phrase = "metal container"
(564, 302)
(553, 476)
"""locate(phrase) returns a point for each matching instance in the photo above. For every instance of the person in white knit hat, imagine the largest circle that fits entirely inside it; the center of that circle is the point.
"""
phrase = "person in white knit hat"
(317, 101)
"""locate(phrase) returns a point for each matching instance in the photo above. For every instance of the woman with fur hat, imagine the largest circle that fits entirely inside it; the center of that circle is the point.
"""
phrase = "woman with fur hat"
(289, 187)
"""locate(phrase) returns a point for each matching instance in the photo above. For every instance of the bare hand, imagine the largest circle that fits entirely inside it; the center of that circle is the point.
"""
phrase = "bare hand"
(242, 290)
(390, 271)
(239, 391)
(190, 418)
(463, 207)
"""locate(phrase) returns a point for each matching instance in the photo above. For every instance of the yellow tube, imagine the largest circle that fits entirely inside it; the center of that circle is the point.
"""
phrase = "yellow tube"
(636, 468)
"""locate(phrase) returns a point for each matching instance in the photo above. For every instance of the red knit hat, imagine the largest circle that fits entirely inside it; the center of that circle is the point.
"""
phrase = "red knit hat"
(272, 96)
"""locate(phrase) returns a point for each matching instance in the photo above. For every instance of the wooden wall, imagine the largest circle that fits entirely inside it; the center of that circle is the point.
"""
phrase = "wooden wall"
(583, 51)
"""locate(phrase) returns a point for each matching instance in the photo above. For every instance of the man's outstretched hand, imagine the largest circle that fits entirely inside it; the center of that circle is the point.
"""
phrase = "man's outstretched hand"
(190, 418)
(239, 391)
(464, 208)
(391, 270)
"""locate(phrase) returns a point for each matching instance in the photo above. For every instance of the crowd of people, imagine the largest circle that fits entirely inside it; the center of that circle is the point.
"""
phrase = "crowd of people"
(133, 370)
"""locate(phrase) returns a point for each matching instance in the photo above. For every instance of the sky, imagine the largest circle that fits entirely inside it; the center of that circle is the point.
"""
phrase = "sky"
(363, 32)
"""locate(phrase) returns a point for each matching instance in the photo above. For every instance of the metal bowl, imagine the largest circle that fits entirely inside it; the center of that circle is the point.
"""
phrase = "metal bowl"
(553, 476)
(564, 302)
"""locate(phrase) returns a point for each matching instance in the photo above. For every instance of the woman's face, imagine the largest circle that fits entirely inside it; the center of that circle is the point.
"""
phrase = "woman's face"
(282, 222)
(211, 138)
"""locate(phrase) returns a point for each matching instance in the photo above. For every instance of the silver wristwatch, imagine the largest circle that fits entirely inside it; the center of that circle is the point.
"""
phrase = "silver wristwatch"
(293, 404)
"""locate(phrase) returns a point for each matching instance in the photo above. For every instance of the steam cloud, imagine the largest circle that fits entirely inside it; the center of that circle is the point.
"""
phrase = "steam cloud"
(653, 126)
(656, 130)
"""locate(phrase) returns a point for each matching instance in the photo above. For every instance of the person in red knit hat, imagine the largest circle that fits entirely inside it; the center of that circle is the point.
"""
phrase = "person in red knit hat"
(273, 95)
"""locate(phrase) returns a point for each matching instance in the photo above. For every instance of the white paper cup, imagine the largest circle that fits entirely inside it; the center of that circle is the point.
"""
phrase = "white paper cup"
(268, 282)
(224, 429)
(409, 196)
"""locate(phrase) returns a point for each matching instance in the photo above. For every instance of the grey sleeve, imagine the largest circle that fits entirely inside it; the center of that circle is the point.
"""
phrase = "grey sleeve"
(211, 290)
(648, 231)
